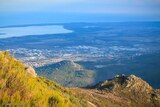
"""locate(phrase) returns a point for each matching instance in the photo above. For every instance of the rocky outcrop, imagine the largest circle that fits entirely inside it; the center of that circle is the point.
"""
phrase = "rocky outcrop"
(30, 71)
(122, 82)
(134, 90)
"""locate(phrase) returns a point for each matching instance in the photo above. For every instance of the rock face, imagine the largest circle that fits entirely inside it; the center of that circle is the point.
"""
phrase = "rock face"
(30, 71)
(136, 84)
(131, 83)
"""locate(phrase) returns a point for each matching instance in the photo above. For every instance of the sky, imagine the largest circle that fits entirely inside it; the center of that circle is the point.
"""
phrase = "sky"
(52, 11)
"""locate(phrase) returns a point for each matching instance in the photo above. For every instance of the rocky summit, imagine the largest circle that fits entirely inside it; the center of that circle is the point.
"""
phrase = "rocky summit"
(122, 91)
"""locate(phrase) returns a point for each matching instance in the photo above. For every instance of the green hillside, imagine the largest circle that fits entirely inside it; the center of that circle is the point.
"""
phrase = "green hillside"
(19, 88)
(67, 73)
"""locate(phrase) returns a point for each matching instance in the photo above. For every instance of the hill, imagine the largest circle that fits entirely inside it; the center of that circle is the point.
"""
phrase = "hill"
(121, 91)
(67, 73)
(18, 87)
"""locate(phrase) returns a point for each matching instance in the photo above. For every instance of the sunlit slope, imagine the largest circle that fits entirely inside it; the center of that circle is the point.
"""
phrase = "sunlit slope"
(17, 87)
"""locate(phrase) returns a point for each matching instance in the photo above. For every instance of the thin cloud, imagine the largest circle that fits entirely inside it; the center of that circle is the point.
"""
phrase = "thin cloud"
(82, 6)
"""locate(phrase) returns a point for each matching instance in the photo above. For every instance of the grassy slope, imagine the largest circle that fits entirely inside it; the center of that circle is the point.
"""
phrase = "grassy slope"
(17, 87)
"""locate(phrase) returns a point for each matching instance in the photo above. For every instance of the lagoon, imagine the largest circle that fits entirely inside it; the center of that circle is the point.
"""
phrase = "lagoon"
(8, 32)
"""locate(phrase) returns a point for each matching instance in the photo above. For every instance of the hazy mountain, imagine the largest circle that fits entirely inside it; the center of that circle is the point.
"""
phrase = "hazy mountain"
(67, 73)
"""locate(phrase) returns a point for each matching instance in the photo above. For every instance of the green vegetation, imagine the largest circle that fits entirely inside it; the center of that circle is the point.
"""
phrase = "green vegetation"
(18, 88)
(67, 73)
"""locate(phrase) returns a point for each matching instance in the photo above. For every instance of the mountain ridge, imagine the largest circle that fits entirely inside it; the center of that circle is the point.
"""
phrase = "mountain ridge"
(67, 73)
(122, 91)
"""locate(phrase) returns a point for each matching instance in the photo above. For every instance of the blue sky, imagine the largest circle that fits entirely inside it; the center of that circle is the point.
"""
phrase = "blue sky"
(52, 11)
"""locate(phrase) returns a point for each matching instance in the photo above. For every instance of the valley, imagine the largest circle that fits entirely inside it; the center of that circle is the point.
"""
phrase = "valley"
(107, 49)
